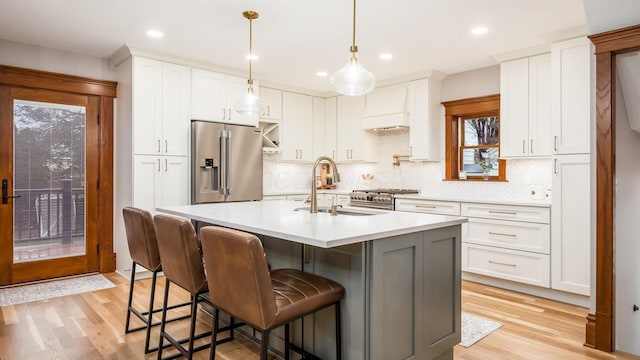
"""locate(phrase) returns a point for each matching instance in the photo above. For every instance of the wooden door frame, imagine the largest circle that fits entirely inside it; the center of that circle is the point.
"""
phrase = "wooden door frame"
(600, 328)
(106, 91)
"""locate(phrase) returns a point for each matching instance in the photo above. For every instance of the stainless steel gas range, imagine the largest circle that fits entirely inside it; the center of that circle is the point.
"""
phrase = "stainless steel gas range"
(377, 198)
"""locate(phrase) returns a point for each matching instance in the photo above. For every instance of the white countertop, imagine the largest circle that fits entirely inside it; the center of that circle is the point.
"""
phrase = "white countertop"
(307, 191)
(541, 203)
(278, 219)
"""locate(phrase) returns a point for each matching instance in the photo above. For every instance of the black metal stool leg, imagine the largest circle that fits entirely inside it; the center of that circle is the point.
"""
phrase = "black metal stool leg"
(192, 330)
(150, 317)
(265, 345)
(214, 334)
(129, 302)
(286, 341)
(338, 332)
(164, 318)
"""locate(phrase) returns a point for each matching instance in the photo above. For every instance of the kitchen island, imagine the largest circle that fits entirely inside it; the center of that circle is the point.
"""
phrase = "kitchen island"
(401, 272)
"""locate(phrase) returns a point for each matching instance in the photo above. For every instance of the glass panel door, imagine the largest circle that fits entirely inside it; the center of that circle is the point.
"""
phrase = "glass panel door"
(49, 178)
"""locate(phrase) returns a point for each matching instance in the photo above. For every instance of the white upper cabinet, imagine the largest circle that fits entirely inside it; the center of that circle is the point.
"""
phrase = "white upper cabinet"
(352, 142)
(525, 107)
(324, 127)
(386, 107)
(161, 93)
(214, 95)
(296, 127)
(273, 103)
(425, 119)
(571, 106)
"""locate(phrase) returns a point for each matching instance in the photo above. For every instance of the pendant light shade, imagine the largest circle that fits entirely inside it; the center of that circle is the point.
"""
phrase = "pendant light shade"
(353, 79)
(250, 104)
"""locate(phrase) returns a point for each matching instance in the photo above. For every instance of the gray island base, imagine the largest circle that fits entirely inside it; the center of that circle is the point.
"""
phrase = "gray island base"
(401, 272)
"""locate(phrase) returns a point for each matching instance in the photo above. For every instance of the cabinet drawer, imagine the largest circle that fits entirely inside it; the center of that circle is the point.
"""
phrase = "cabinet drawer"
(509, 234)
(534, 214)
(428, 206)
(521, 266)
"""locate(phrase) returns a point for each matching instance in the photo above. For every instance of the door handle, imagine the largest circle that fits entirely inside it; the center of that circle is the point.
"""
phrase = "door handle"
(5, 192)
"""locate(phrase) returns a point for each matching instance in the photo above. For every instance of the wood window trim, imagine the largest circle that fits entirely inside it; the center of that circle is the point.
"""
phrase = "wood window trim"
(481, 106)
(106, 91)
(600, 328)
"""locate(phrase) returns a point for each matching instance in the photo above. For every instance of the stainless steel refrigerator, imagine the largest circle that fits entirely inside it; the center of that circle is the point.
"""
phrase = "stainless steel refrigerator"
(226, 162)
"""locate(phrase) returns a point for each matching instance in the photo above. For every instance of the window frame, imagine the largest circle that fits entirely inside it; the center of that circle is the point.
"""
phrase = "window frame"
(455, 113)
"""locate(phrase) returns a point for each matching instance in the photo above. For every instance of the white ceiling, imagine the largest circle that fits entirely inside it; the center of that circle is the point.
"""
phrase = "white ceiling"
(296, 38)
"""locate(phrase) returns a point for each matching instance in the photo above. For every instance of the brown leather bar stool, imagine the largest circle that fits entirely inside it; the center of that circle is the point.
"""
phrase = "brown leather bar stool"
(182, 265)
(143, 248)
(242, 286)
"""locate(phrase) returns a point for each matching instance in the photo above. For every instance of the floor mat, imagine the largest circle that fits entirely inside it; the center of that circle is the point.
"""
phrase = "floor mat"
(475, 328)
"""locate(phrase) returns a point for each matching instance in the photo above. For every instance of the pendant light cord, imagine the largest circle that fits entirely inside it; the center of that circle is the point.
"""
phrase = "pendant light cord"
(354, 48)
(250, 51)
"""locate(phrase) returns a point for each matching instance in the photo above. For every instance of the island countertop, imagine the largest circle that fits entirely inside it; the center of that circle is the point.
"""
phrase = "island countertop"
(279, 219)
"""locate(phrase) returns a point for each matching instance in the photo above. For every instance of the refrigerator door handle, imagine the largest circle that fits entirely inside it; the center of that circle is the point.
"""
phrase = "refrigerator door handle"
(223, 162)
(227, 153)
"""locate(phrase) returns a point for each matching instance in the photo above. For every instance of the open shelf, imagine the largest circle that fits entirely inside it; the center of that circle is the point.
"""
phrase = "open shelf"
(270, 135)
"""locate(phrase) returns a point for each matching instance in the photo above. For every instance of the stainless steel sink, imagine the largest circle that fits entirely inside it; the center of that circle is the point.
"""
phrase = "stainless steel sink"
(342, 211)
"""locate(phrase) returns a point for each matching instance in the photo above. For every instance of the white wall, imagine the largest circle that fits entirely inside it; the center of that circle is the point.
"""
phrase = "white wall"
(523, 175)
(627, 244)
(35, 57)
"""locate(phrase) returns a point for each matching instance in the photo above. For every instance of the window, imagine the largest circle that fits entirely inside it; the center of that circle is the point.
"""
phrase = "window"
(473, 139)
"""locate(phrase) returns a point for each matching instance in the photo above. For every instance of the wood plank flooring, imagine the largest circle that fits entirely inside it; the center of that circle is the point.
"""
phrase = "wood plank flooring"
(91, 326)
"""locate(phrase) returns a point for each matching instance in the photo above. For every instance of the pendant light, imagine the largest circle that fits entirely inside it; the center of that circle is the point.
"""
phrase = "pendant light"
(250, 104)
(353, 79)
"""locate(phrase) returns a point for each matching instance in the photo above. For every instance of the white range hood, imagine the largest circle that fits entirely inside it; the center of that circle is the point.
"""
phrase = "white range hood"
(386, 108)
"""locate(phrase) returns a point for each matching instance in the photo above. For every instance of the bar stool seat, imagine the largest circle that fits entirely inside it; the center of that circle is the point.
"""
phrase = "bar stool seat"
(242, 286)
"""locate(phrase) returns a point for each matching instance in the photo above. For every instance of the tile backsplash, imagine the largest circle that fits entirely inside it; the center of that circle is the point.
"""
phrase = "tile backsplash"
(523, 175)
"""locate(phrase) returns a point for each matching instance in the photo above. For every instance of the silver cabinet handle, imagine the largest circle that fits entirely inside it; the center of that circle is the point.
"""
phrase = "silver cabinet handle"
(410, 151)
(502, 212)
(158, 146)
(158, 165)
(166, 165)
(501, 263)
(523, 142)
(229, 110)
(501, 234)
(224, 114)
(531, 147)
(166, 146)
(268, 110)
(300, 154)
(333, 154)
(555, 143)
(555, 166)
(426, 206)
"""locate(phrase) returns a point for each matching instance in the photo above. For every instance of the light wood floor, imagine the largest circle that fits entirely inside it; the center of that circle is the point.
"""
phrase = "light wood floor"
(91, 326)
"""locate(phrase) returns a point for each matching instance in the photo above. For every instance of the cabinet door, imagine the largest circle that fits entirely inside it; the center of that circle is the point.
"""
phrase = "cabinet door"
(319, 128)
(175, 181)
(305, 128)
(570, 224)
(146, 180)
(237, 88)
(273, 103)
(330, 127)
(540, 139)
(147, 109)
(208, 95)
(176, 87)
(353, 143)
(571, 106)
(289, 127)
(514, 108)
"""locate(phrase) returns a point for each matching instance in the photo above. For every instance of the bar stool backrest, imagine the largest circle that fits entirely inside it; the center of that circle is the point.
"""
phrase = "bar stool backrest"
(180, 253)
(238, 275)
(141, 238)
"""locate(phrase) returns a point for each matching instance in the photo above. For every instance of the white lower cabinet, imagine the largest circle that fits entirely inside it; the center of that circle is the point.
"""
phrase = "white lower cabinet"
(428, 206)
(160, 181)
(571, 230)
(521, 266)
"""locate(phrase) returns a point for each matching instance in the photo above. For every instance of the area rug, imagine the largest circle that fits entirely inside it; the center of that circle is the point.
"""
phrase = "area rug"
(475, 328)
(27, 293)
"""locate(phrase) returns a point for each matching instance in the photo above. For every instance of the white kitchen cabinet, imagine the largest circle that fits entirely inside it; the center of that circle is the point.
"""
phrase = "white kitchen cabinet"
(386, 107)
(296, 127)
(214, 95)
(570, 226)
(428, 206)
(324, 127)
(571, 101)
(352, 142)
(273, 103)
(525, 107)
(161, 93)
(160, 181)
(425, 119)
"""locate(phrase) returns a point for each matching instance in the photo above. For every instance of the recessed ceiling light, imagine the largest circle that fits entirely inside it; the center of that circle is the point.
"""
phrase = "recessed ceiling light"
(321, 74)
(155, 34)
(479, 30)
(253, 57)
(386, 56)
